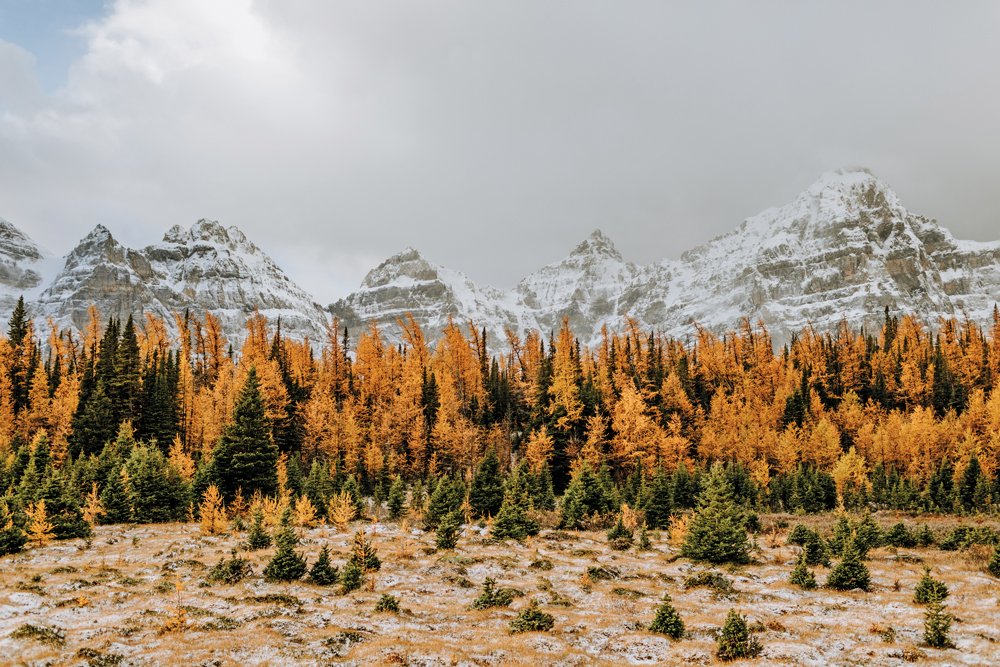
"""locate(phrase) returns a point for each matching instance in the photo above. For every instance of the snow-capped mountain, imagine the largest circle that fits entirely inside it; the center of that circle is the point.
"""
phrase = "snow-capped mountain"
(24, 266)
(408, 283)
(205, 268)
(844, 249)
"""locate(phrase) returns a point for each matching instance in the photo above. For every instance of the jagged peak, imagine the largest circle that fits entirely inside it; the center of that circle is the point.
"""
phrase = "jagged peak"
(408, 262)
(208, 230)
(98, 235)
(851, 184)
(14, 240)
(597, 243)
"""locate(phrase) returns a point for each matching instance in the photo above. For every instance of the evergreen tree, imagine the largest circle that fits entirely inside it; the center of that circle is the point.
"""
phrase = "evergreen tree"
(12, 538)
(353, 489)
(814, 550)
(657, 501)
(115, 498)
(397, 498)
(94, 423)
(967, 487)
(448, 530)
(351, 577)
(63, 506)
(667, 621)
(286, 564)
(491, 596)
(717, 532)
(802, 576)
(245, 456)
(487, 490)
(448, 496)
(157, 493)
(735, 641)
(619, 537)
(937, 623)
(850, 572)
(929, 589)
(512, 521)
(257, 537)
(363, 553)
(585, 496)
(323, 573)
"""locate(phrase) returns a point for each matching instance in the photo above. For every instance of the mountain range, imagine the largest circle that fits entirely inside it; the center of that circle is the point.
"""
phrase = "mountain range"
(843, 250)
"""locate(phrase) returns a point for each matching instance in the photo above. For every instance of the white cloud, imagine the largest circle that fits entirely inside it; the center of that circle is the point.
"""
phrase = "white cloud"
(492, 134)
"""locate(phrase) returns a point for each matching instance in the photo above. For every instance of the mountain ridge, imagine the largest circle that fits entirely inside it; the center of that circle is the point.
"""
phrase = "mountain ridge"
(842, 250)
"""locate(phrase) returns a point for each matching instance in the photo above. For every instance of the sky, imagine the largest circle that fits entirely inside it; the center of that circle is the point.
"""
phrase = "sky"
(492, 135)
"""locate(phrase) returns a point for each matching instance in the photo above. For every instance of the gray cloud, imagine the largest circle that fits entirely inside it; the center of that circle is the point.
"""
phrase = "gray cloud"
(494, 135)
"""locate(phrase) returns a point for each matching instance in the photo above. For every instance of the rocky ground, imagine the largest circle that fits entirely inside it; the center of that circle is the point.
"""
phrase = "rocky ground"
(137, 595)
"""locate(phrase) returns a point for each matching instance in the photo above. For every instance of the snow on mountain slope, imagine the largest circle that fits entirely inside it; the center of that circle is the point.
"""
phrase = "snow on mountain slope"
(844, 249)
(408, 283)
(585, 287)
(206, 268)
(24, 266)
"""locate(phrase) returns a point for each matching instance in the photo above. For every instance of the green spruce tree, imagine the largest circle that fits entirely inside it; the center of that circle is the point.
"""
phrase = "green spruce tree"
(448, 530)
(245, 456)
(735, 641)
(323, 573)
(667, 621)
(487, 490)
(717, 533)
(850, 572)
(512, 521)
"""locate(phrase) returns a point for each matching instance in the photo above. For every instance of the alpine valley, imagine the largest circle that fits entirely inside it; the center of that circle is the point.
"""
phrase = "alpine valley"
(842, 251)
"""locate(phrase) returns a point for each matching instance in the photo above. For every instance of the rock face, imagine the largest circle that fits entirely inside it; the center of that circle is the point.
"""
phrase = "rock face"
(844, 249)
(22, 265)
(205, 268)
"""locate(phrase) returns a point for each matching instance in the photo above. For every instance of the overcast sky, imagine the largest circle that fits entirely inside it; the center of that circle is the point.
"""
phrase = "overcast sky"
(491, 135)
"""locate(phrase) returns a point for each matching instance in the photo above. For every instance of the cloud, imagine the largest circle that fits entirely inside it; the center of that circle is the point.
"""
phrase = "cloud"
(493, 135)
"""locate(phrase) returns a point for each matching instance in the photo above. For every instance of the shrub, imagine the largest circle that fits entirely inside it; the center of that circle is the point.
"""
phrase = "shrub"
(387, 603)
(230, 571)
(994, 566)
(717, 532)
(802, 576)
(52, 636)
(937, 623)
(323, 573)
(735, 641)
(620, 537)
(850, 572)
(925, 536)
(667, 621)
(716, 581)
(532, 619)
(900, 536)
(491, 596)
(929, 589)
(286, 564)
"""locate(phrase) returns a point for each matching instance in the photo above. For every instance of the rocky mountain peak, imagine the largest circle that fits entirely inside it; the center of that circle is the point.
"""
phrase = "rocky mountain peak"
(16, 244)
(406, 264)
(597, 243)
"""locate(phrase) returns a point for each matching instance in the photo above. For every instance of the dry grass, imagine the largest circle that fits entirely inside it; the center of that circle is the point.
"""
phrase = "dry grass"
(145, 603)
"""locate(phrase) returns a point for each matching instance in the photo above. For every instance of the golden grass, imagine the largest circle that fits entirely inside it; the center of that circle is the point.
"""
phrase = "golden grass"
(136, 592)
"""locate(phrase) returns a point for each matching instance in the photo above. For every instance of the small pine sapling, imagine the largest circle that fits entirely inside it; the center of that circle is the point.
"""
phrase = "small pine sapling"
(937, 624)
(644, 543)
(735, 641)
(620, 537)
(850, 572)
(929, 589)
(994, 565)
(363, 553)
(448, 530)
(802, 576)
(323, 572)
(491, 596)
(257, 537)
(351, 577)
(667, 621)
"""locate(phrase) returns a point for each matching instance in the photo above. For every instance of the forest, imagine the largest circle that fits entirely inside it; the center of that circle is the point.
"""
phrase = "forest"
(124, 423)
